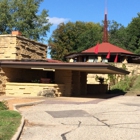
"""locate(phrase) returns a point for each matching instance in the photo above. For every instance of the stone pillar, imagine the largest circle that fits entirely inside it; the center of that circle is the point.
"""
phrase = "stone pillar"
(75, 83)
(83, 83)
(125, 60)
(64, 77)
(2, 81)
(99, 59)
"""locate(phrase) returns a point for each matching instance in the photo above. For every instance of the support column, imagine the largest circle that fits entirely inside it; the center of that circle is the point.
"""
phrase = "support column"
(125, 60)
(83, 83)
(3, 81)
(99, 59)
(75, 83)
(64, 77)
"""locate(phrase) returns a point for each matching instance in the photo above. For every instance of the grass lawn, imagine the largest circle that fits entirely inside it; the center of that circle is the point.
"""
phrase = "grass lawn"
(9, 122)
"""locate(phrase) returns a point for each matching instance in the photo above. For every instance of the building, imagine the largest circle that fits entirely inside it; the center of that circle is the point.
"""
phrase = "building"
(25, 71)
(106, 52)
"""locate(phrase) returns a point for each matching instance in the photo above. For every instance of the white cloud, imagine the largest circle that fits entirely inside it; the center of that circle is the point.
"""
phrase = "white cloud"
(56, 20)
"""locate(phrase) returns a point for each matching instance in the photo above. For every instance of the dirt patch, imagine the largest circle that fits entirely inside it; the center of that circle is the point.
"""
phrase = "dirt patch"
(11, 102)
(31, 124)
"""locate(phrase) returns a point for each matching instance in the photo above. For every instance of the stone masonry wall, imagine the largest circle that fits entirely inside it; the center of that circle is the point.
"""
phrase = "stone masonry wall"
(3, 80)
(7, 47)
(27, 49)
(64, 77)
(14, 47)
(31, 89)
(131, 67)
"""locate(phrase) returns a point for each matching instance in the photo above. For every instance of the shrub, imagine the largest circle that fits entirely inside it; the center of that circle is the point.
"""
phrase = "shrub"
(3, 105)
(125, 84)
(115, 78)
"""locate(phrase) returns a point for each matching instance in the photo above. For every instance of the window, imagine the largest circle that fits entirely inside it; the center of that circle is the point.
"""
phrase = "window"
(92, 59)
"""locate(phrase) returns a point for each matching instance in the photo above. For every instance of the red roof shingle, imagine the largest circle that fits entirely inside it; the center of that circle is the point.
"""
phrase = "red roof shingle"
(106, 47)
(53, 61)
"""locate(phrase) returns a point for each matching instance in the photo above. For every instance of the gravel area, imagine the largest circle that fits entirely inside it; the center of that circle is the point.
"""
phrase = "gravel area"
(108, 119)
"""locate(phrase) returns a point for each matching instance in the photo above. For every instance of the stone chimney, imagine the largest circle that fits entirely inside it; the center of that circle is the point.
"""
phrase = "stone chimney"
(17, 33)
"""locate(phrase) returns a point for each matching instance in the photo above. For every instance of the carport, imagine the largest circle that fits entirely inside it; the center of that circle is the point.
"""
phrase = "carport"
(72, 76)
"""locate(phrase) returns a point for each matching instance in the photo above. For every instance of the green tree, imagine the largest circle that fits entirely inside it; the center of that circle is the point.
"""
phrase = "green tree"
(23, 16)
(90, 37)
(133, 32)
(5, 17)
(117, 34)
(74, 37)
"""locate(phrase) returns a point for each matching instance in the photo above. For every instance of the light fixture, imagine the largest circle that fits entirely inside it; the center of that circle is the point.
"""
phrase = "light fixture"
(37, 68)
(48, 69)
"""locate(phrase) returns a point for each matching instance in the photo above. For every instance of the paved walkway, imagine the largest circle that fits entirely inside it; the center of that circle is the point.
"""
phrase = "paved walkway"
(99, 119)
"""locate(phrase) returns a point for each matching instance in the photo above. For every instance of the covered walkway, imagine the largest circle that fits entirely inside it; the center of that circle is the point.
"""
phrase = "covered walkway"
(70, 79)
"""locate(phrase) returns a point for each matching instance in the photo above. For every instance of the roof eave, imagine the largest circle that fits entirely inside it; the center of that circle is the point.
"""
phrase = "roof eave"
(102, 68)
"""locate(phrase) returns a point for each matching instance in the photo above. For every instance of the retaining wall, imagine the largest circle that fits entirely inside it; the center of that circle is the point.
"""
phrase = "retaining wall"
(31, 89)
(133, 68)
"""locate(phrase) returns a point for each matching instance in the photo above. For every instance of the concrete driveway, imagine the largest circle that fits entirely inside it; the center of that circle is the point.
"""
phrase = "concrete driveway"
(83, 119)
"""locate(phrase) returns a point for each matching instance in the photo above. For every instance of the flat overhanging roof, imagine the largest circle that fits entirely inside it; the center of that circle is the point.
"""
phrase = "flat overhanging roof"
(97, 68)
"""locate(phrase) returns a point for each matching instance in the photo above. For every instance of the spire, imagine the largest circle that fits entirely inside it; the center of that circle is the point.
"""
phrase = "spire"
(105, 33)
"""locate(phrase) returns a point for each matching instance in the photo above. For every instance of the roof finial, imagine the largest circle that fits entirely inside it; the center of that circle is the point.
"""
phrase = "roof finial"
(105, 35)
(105, 6)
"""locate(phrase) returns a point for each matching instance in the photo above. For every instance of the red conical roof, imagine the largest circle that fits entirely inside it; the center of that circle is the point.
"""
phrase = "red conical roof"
(106, 47)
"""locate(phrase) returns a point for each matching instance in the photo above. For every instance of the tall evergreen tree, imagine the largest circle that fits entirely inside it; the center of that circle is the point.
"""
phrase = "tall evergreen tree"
(23, 15)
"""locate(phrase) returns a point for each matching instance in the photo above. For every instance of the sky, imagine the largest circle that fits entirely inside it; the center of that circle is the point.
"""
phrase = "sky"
(60, 11)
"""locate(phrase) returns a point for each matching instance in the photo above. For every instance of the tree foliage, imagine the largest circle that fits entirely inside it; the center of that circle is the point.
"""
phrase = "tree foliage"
(23, 15)
(133, 33)
(117, 34)
(74, 37)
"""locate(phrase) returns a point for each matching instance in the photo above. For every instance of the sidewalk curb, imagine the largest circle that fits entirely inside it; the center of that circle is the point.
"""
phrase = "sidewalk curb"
(20, 128)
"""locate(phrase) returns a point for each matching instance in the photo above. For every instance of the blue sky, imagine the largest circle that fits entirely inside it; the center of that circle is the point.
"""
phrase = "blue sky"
(121, 11)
